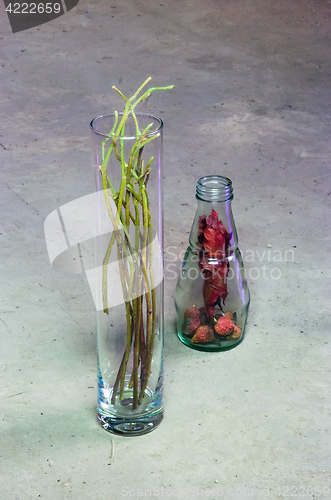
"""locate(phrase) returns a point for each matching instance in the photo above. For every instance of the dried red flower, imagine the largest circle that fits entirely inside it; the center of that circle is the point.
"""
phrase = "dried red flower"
(213, 240)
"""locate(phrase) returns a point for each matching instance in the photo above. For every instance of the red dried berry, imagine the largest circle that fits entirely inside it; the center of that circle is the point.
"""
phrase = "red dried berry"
(192, 312)
(228, 315)
(193, 325)
(236, 332)
(203, 335)
(224, 326)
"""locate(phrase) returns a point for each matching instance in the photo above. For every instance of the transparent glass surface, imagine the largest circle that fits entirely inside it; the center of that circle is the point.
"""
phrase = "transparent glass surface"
(212, 295)
(128, 274)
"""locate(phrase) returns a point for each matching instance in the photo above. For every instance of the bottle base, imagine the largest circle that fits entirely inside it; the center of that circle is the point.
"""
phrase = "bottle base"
(130, 426)
(212, 347)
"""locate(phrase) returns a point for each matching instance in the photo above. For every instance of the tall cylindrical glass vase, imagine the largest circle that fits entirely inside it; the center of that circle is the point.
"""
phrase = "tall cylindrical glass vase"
(212, 295)
(128, 275)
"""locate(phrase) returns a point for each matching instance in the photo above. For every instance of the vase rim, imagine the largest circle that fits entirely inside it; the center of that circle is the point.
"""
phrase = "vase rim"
(216, 188)
(150, 133)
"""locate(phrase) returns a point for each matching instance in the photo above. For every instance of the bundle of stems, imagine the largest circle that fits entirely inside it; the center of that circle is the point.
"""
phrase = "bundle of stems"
(133, 252)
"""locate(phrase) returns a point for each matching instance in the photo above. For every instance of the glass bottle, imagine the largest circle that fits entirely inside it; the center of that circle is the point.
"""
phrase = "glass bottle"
(212, 295)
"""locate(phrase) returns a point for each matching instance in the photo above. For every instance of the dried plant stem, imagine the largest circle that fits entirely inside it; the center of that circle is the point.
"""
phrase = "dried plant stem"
(135, 258)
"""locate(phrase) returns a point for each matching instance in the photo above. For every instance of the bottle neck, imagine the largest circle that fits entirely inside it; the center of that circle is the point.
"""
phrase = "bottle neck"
(214, 188)
(214, 193)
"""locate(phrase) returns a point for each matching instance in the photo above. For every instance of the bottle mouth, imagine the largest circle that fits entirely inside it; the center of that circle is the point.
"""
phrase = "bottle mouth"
(214, 188)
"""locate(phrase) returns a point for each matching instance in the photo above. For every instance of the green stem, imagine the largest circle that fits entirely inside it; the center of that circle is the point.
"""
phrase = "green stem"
(123, 365)
(104, 274)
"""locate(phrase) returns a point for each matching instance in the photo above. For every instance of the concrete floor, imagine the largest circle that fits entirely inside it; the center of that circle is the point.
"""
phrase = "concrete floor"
(252, 102)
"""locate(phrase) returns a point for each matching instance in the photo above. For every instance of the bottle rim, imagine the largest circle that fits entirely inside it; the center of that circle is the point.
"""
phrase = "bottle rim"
(215, 188)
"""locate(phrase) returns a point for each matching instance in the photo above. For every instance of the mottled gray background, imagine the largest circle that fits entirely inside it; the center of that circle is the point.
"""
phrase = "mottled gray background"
(252, 102)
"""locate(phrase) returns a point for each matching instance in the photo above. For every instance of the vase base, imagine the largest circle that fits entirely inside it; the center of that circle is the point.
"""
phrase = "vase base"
(130, 427)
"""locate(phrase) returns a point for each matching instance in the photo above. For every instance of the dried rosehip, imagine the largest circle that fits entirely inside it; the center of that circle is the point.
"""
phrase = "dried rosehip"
(236, 332)
(224, 326)
(203, 335)
(192, 312)
(193, 325)
(228, 315)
